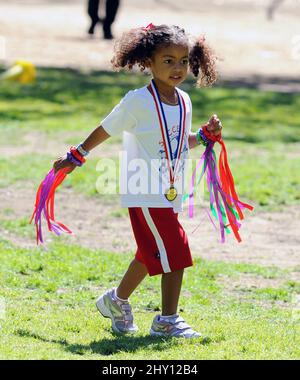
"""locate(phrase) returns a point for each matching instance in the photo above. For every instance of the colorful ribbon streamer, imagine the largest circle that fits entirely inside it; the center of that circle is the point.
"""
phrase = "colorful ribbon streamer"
(224, 203)
(44, 204)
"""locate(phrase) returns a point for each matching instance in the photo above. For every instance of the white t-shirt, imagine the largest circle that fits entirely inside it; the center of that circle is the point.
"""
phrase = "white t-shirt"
(144, 170)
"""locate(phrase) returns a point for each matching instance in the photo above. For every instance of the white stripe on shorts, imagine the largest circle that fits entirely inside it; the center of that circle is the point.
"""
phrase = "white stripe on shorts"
(160, 244)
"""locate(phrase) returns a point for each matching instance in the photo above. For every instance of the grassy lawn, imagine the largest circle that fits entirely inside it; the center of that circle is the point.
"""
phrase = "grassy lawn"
(260, 129)
(49, 295)
(50, 311)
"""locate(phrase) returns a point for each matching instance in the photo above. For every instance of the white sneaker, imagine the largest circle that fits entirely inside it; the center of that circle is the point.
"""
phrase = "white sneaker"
(118, 311)
(172, 327)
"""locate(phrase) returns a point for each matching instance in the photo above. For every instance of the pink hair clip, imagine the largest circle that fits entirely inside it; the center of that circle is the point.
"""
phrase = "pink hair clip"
(148, 27)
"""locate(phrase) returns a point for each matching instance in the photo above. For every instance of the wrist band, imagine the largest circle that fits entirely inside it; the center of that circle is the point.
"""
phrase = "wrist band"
(82, 151)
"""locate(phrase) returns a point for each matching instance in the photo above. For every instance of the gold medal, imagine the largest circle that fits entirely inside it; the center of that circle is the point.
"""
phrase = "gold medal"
(171, 194)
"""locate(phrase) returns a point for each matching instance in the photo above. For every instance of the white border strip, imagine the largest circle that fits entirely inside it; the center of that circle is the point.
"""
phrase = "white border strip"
(160, 244)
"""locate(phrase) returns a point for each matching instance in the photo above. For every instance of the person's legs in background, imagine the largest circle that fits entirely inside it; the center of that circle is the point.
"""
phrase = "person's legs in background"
(93, 7)
(111, 11)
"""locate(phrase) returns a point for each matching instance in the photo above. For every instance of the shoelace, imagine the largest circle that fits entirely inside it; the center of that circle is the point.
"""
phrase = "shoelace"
(126, 311)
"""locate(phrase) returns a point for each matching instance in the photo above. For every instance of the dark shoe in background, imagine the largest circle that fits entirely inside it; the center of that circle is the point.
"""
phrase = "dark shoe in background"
(107, 32)
(111, 9)
(93, 25)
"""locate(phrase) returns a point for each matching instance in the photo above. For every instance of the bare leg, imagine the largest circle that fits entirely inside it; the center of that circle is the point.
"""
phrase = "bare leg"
(135, 274)
(170, 291)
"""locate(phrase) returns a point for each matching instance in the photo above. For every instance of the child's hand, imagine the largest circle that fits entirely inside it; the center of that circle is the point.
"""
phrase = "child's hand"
(214, 126)
(63, 162)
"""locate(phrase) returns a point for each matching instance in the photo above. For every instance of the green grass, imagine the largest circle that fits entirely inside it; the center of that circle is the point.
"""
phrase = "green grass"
(67, 100)
(50, 293)
(50, 312)
(261, 129)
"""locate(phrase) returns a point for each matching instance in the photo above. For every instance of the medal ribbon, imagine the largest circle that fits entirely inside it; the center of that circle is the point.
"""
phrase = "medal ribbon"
(164, 129)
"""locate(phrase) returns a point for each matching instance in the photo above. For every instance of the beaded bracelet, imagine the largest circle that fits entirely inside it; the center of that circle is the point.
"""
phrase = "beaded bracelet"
(73, 159)
(200, 139)
(204, 137)
(77, 155)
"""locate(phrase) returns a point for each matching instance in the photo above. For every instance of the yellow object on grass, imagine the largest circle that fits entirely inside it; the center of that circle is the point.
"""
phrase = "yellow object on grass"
(22, 71)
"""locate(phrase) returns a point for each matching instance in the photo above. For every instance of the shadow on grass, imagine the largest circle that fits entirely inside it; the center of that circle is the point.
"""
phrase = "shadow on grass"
(118, 344)
(59, 85)
(250, 115)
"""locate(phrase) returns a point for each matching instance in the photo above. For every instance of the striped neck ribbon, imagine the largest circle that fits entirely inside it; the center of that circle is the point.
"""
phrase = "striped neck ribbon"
(172, 158)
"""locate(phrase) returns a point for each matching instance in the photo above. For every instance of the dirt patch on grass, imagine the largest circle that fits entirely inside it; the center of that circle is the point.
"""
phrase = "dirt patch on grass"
(249, 281)
(97, 224)
(258, 290)
(38, 142)
(90, 219)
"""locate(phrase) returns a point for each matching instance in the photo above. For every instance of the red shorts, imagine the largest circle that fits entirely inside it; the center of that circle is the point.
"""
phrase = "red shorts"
(162, 244)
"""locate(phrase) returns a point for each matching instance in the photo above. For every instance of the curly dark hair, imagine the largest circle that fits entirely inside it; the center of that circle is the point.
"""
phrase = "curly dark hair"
(135, 46)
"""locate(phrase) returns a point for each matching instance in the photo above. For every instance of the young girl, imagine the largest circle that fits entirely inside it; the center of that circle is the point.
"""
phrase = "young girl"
(156, 124)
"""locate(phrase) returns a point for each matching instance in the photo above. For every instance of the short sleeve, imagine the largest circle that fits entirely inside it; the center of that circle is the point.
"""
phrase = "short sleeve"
(121, 117)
